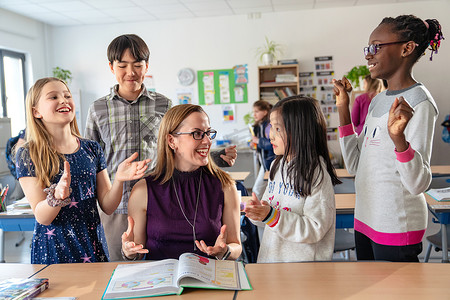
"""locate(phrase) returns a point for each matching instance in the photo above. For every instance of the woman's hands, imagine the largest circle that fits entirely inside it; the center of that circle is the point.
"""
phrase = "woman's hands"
(129, 247)
(130, 169)
(219, 249)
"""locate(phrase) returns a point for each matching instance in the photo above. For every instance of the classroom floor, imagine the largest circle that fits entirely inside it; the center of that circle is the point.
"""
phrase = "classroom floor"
(21, 252)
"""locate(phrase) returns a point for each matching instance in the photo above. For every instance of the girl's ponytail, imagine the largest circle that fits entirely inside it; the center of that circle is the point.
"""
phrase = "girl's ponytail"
(434, 35)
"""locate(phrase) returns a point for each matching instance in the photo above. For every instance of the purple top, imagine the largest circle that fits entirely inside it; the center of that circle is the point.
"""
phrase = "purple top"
(168, 232)
(359, 111)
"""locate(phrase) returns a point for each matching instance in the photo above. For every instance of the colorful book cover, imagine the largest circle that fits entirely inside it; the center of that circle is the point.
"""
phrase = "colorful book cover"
(22, 288)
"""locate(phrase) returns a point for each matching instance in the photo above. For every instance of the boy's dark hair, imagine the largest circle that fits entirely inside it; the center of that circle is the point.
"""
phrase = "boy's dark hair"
(411, 28)
(137, 46)
(306, 133)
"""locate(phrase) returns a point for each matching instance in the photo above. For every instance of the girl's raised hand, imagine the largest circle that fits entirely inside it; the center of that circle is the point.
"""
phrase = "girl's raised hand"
(257, 210)
(62, 190)
(341, 89)
(220, 247)
(129, 247)
(399, 115)
(130, 169)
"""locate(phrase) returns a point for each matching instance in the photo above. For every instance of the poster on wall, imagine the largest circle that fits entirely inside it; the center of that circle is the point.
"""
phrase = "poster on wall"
(149, 83)
(240, 74)
(219, 87)
(229, 113)
(184, 96)
(224, 86)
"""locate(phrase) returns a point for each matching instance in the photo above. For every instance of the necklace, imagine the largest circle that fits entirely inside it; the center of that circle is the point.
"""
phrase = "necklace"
(196, 206)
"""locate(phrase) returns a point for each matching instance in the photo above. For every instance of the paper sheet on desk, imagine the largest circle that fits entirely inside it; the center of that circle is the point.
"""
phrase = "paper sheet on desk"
(19, 207)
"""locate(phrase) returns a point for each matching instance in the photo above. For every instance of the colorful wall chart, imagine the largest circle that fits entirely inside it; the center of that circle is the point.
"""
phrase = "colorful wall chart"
(220, 87)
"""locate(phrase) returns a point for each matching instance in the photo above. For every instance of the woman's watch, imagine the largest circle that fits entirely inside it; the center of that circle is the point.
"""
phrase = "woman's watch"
(226, 255)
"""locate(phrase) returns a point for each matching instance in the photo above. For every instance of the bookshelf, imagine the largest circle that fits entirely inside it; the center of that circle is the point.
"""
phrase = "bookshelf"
(278, 79)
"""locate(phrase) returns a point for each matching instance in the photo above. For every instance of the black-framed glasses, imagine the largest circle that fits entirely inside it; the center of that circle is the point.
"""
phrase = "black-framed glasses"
(373, 49)
(199, 134)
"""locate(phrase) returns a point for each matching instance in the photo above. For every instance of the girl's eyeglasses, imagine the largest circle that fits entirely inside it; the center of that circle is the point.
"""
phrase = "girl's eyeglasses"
(373, 49)
(199, 135)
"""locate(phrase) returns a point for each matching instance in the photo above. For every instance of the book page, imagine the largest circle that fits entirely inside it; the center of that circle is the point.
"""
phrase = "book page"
(143, 279)
(215, 273)
(440, 194)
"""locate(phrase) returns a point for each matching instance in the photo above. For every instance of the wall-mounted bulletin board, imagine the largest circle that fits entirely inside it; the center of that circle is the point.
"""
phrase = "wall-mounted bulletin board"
(220, 87)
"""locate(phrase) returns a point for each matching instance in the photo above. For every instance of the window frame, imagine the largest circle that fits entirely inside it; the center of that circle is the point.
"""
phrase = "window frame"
(13, 54)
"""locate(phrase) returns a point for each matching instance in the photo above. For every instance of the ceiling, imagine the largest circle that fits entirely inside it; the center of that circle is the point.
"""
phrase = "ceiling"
(88, 12)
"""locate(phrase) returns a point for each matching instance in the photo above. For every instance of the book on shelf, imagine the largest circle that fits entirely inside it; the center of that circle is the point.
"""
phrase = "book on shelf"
(283, 78)
(22, 288)
(171, 276)
(289, 91)
(280, 94)
(440, 194)
(292, 61)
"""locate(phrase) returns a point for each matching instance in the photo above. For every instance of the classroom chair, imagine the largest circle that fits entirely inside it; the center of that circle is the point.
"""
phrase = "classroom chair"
(346, 187)
(435, 240)
(344, 241)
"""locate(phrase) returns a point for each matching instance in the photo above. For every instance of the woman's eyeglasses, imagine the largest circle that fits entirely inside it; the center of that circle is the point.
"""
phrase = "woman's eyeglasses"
(373, 49)
(199, 135)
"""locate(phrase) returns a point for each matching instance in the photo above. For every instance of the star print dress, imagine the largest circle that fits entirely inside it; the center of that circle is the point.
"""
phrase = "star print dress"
(76, 234)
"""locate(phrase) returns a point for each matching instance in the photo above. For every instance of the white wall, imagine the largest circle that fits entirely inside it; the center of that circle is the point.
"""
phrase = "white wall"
(27, 36)
(222, 42)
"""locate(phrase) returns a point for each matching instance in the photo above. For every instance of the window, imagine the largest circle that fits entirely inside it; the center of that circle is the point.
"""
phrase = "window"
(13, 89)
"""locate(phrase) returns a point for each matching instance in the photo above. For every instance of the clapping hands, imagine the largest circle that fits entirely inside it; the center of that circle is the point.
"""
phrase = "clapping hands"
(130, 169)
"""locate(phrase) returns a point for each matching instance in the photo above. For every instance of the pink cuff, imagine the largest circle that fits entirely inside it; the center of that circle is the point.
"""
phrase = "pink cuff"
(346, 130)
(406, 155)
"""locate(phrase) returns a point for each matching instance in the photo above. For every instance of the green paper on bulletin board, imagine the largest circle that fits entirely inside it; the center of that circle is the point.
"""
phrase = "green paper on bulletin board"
(218, 87)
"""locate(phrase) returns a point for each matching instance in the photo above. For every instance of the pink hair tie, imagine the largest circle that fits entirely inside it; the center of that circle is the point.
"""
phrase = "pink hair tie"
(426, 24)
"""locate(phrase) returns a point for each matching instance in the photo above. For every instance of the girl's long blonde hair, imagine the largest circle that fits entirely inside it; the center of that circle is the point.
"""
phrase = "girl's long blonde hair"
(39, 143)
(165, 162)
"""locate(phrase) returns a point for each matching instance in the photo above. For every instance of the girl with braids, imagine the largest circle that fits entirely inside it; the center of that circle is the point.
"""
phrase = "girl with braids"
(298, 208)
(391, 157)
(63, 176)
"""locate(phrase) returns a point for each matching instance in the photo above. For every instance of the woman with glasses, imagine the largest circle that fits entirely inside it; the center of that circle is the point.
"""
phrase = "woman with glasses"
(391, 157)
(187, 204)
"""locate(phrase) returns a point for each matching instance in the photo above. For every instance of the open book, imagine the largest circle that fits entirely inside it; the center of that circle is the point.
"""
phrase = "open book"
(440, 194)
(170, 276)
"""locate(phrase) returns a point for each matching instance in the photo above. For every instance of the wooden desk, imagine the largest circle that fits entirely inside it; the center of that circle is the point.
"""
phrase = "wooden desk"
(88, 281)
(240, 176)
(19, 270)
(347, 280)
(438, 170)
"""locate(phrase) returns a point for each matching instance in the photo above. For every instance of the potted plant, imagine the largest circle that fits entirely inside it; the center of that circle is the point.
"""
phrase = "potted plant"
(62, 74)
(355, 75)
(268, 52)
(248, 118)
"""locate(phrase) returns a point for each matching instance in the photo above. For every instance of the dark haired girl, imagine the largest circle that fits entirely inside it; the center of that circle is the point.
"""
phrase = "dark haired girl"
(264, 150)
(391, 157)
(298, 209)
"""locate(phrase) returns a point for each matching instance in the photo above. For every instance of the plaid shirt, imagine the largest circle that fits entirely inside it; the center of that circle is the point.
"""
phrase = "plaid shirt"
(123, 127)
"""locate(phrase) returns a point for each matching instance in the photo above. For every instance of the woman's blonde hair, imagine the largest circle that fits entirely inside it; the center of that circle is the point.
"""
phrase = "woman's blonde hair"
(45, 158)
(165, 162)
(373, 86)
